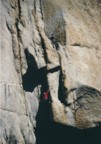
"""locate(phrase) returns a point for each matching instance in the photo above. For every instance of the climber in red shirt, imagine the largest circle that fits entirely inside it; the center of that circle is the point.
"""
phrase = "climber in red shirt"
(46, 95)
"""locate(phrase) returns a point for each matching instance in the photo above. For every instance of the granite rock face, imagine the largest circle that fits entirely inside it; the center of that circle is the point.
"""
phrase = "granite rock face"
(30, 63)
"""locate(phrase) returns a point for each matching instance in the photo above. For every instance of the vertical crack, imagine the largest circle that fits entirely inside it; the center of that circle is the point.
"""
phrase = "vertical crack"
(62, 92)
(19, 8)
(41, 8)
(19, 52)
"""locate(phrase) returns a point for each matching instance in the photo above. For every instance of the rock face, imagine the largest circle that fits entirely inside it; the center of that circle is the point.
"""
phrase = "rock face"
(30, 63)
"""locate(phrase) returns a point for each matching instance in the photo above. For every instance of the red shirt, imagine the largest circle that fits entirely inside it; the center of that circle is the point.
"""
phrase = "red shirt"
(45, 95)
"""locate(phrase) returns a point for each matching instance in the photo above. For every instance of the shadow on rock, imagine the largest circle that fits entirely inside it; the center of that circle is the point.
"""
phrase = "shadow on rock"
(48, 132)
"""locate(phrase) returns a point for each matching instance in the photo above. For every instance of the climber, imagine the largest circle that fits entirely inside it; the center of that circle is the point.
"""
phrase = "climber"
(52, 38)
(46, 95)
(54, 42)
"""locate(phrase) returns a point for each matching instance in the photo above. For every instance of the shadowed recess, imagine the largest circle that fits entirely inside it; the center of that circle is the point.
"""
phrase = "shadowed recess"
(30, 79)
(48, 132)
(33, 76)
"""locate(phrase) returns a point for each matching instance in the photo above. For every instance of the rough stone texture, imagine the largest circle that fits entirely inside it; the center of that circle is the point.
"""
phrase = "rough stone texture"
(79, 57)
(74, 69)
